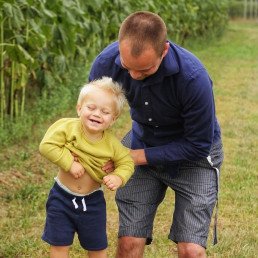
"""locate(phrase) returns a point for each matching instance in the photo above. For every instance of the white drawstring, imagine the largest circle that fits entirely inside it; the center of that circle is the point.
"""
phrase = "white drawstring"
(75, 204)
(209, 160)
(84, 205)
(215, 234)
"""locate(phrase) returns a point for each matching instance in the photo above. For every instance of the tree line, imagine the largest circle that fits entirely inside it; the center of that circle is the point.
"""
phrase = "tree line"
(247, 9)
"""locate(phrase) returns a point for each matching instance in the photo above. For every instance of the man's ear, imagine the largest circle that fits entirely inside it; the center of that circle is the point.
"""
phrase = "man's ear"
(165, 51)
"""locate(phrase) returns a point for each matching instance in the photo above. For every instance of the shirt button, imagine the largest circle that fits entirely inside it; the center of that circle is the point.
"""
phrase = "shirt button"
(150, 119)
(146, 103)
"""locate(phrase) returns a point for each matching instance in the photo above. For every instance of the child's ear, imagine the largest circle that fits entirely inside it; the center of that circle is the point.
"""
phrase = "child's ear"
(113, 121)
(78, 108)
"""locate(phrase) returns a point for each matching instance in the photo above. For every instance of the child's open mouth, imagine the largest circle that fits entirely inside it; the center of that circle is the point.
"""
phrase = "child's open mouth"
(94, 121)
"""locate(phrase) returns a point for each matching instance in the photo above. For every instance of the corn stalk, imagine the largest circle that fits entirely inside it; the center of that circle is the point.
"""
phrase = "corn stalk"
(2, 86)
(12, 91)
(23, 80)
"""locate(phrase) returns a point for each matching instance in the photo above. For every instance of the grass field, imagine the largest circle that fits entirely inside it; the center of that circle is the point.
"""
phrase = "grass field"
(25, 177)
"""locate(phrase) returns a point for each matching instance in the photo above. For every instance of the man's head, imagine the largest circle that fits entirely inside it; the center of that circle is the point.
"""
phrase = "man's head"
(142, 44)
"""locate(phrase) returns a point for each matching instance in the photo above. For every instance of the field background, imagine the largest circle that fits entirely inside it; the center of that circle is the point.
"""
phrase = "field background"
(25, 177)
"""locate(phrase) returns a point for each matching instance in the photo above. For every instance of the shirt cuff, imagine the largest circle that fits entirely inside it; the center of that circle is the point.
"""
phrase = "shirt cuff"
(154, 156)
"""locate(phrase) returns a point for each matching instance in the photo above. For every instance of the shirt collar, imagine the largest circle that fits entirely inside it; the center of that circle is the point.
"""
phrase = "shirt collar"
(118, 61)
(169, 64)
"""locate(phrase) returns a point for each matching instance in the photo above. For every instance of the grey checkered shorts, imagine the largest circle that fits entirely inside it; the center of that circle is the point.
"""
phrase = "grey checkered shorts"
(196, 191)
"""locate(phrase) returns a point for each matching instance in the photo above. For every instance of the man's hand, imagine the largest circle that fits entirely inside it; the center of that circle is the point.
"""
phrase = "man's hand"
(138, 157)
(112, 182)
(77, 170)
(109, 167)
(75, 156)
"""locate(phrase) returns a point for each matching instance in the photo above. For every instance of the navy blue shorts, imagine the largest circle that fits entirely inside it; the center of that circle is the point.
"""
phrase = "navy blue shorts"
(67, 214)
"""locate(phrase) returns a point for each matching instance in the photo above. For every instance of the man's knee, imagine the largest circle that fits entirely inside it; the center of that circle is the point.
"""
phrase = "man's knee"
(190, 250)
(130, 247)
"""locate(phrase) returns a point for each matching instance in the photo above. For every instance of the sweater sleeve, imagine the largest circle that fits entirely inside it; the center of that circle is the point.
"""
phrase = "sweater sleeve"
(53, 147)
(124, 164)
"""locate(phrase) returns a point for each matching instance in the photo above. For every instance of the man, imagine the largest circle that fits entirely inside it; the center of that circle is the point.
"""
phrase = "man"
(175, 139)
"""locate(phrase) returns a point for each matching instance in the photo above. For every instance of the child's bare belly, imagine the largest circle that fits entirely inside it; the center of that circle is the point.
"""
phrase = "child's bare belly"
(83, 185)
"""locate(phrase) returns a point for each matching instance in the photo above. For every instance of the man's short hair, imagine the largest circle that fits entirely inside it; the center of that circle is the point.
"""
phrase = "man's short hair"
(144, 28)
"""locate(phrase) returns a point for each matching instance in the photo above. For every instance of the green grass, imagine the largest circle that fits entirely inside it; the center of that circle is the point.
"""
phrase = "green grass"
(25, 177)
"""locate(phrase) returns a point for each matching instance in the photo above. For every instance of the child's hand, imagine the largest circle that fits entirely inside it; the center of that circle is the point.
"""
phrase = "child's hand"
(77, 170)
(112, 182)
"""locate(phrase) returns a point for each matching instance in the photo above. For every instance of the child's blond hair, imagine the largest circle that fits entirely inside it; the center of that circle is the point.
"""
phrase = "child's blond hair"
(108, 85)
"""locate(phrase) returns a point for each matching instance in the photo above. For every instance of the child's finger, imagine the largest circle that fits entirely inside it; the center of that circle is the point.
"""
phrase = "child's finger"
(106, 179)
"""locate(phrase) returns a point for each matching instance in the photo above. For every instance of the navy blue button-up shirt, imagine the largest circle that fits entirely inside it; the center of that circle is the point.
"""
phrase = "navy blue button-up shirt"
(173, 110)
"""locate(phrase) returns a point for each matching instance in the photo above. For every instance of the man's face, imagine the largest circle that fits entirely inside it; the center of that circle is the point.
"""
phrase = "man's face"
(142, 66)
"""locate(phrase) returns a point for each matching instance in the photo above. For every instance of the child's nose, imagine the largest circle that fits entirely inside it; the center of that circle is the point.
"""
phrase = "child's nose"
(96, 112)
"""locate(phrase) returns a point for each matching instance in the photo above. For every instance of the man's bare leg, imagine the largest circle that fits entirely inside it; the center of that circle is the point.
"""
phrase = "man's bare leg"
(130, 247)
(190, 250)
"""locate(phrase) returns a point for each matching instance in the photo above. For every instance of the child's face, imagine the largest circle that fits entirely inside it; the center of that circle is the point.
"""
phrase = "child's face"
(97, 111)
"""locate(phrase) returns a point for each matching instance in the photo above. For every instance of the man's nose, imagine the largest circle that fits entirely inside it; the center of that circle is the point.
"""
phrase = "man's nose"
(135, 74)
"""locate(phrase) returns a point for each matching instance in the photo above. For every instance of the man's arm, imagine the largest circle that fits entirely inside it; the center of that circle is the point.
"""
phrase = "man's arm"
(198, 114)
(139, 157)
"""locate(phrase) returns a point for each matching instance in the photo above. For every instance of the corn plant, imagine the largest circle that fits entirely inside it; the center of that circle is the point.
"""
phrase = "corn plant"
(40, 40)
(2, 89)
(15, 60)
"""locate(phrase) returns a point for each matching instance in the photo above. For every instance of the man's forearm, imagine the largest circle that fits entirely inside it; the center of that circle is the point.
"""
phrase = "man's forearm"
(139, 157)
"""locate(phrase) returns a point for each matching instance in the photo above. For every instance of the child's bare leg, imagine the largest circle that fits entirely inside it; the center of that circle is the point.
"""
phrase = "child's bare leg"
(59, 251)
(98, 254)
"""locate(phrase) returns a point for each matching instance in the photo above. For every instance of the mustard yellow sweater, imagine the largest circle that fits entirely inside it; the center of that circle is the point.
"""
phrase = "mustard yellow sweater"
(66, 136)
